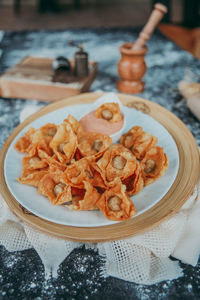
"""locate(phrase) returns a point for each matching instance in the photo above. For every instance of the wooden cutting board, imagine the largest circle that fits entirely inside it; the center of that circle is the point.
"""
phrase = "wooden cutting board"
(31, 78)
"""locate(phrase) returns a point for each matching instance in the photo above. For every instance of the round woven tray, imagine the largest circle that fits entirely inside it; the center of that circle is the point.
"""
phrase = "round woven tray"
(181, 189)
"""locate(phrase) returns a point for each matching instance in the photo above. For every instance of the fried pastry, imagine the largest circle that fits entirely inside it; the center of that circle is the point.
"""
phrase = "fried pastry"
(78, 172)
(32, 177)
(33, 169)
(83, 171)
(154, 165)
(51, 186)
(75, 124)
(117, 162)
(24, 142)
(115, 203)
(134, 183)
(109, 112)
(92, 144)
(64, 143)
(84, 199)
(138, 141)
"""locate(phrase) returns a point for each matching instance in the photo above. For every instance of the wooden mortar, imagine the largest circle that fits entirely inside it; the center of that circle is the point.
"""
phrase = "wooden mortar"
(131, 69)
(132, 66)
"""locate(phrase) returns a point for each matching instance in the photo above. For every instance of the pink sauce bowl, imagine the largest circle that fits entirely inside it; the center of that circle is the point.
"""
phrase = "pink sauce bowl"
(91, 123)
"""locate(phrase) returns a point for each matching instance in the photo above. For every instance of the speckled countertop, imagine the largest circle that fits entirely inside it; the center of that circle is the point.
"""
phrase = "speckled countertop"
(21, 273)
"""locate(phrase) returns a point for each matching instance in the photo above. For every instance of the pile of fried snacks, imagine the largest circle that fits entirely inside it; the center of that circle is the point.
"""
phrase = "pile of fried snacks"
(85, 171)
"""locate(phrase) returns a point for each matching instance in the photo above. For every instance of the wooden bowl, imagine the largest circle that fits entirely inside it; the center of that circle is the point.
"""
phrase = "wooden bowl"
(180, 191)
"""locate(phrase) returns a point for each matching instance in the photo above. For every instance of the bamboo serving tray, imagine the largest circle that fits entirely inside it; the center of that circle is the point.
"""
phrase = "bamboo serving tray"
(32, 77)
(182, 188)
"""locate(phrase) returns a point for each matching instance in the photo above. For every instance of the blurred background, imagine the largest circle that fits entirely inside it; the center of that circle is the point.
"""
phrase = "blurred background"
(181, 24)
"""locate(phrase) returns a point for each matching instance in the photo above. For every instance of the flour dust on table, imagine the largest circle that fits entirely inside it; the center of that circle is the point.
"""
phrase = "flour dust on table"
(166, 63)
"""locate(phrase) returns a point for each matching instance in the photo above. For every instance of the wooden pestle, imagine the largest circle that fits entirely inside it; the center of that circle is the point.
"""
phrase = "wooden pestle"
(154, 19)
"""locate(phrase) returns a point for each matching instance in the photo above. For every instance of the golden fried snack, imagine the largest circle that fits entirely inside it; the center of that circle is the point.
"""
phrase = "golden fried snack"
(34, 140)
(32, 177)
(99, 180)
(134, 183)
(138, 141)
(78, 155)
(48, 131)
(63, 192)
(33, 169)
(78, 192)
(75, 124)
(142, 144)
(154, 165)
(39, 142)
(117, 162)
(83, 171)
(78, 172)
(128, 139)
(115, 204)
(84, 199)
(92, 144)
(109, 112)
(64, 143)
(52, 161)
(24, 142)
(51, 186)
(33, 163)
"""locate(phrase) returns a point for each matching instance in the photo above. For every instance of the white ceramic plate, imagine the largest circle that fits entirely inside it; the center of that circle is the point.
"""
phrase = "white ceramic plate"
(28, 197)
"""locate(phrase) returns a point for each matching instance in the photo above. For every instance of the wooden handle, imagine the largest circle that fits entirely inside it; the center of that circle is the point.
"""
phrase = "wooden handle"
(154, 19)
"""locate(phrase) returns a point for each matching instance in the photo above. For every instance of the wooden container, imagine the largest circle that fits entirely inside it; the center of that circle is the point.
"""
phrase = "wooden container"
(32, 79)
(178, 194)
(131, 69)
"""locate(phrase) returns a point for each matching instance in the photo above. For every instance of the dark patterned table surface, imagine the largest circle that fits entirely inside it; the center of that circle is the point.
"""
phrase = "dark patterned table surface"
(21, 273)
